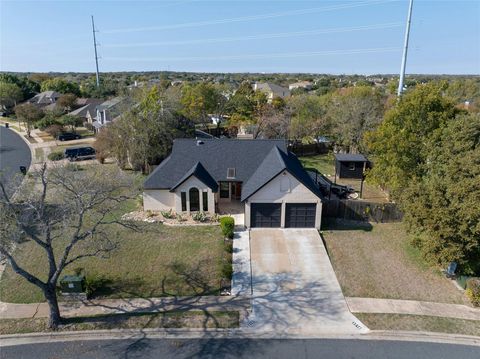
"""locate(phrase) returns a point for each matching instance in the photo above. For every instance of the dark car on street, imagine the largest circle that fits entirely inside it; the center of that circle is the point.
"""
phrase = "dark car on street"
(80, 153)
(68, 136)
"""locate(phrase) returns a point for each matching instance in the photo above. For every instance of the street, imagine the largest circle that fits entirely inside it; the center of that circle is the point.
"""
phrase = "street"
(240, 348)
(14, 152)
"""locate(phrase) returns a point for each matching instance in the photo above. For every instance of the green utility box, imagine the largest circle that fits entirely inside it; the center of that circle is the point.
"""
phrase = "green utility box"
(72, 284)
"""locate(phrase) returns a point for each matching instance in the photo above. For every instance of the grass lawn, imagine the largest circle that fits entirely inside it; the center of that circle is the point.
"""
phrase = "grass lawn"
(420, 323)
(325, 164)
(377, 261)
(186, 319)
(157, 260)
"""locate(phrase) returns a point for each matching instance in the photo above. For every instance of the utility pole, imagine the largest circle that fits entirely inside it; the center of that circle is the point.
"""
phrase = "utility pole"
(96, 56)
(405, 50)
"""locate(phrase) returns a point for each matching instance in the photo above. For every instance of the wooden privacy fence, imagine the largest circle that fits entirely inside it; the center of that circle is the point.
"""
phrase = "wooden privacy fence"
(362, 211)
(310, 149)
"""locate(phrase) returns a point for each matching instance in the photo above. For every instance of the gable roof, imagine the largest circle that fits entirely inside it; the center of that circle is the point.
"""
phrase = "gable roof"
(201, 173)
(273, 88)
(216, 155)
(45, 98)
(275, 163)
(256, 162)
(349, 157)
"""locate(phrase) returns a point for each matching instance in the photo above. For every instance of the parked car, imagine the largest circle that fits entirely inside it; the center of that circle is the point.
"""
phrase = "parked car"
(68, 136)
(80, 153)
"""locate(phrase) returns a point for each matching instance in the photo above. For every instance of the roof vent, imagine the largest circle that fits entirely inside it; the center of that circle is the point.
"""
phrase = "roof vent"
(200, 142)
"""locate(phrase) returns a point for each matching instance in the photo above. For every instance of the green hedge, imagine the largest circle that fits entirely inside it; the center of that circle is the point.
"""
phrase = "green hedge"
(473, 291)
(227, 224)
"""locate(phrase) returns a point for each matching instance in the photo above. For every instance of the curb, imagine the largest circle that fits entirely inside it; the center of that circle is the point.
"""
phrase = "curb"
(155, 333)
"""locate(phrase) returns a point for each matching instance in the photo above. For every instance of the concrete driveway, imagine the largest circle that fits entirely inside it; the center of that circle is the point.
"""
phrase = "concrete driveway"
(295, 290)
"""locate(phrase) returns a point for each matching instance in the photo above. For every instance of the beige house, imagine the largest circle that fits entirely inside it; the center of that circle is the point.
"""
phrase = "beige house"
(257, 179)
(271, 90)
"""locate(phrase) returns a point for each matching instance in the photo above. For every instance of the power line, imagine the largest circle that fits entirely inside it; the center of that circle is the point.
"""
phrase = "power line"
(259, 37)
(249, 18)
(260, 56)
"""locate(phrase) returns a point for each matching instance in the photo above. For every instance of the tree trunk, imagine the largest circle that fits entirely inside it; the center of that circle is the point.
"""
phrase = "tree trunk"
(54, 317)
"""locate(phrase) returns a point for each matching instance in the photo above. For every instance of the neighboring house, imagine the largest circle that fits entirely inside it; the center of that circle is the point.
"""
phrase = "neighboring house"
(307, 85)
(109, 111)
(349, 165)
(87, 110)
(271, 90)
(45, 98)
(259, 178)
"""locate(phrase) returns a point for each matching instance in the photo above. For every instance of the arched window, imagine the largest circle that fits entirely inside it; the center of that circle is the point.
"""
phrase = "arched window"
(194, 199)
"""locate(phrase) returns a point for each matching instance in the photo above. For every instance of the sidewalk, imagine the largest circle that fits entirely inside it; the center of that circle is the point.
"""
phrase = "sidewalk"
(131, 305)
(412, 307)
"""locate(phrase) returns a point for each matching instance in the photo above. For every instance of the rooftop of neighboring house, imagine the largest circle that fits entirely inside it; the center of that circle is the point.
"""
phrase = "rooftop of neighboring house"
(253, 162)
(300, 84)
(110, 103)
(87, 105)
(276, 90)
(45, 98)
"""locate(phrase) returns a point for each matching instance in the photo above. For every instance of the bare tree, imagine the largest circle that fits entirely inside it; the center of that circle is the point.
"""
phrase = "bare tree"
(65, 212)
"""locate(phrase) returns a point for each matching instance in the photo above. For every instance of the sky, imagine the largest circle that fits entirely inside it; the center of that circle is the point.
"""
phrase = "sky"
(337, 37)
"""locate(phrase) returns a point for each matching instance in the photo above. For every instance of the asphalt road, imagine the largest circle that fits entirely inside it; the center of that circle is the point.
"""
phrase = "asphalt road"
(240, 348)
(14, 152)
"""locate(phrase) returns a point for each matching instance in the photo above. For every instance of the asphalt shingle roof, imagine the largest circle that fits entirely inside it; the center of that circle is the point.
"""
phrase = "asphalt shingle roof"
(216, 155)
(256, 162)
(349, 157)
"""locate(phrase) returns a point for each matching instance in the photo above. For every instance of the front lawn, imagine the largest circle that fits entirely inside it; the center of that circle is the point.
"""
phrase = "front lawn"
(377, 261)
(158, 261)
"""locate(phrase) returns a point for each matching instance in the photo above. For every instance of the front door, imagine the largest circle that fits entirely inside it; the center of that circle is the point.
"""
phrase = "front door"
(236, 190)
(194, 200)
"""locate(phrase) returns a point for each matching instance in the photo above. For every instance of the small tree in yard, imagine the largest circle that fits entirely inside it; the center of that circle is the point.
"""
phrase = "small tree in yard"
(70, 121)
(28, 114)
(64, 212)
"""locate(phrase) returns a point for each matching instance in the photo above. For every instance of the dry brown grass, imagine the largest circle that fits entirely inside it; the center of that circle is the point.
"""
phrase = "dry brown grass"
(185, 319)
(420, 323)
(377, 261)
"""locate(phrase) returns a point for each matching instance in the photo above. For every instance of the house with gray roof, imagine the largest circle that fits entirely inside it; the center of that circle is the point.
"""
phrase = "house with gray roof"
(271, 90)
(108, 111)
(45, 98)
(259, 181)
(87, 110)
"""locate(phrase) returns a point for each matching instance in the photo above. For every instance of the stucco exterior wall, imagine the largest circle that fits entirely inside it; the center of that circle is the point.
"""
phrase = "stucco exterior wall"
(185, 187)
(284, 188)
(157, 200)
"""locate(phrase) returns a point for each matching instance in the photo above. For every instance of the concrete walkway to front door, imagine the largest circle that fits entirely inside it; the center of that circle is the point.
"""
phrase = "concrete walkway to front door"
(295, 290)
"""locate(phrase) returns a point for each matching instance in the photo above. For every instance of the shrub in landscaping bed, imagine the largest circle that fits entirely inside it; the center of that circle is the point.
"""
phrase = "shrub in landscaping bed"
(55, 156)
(199, 217)
(168, 214)
(227, 224)
(473, 291)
